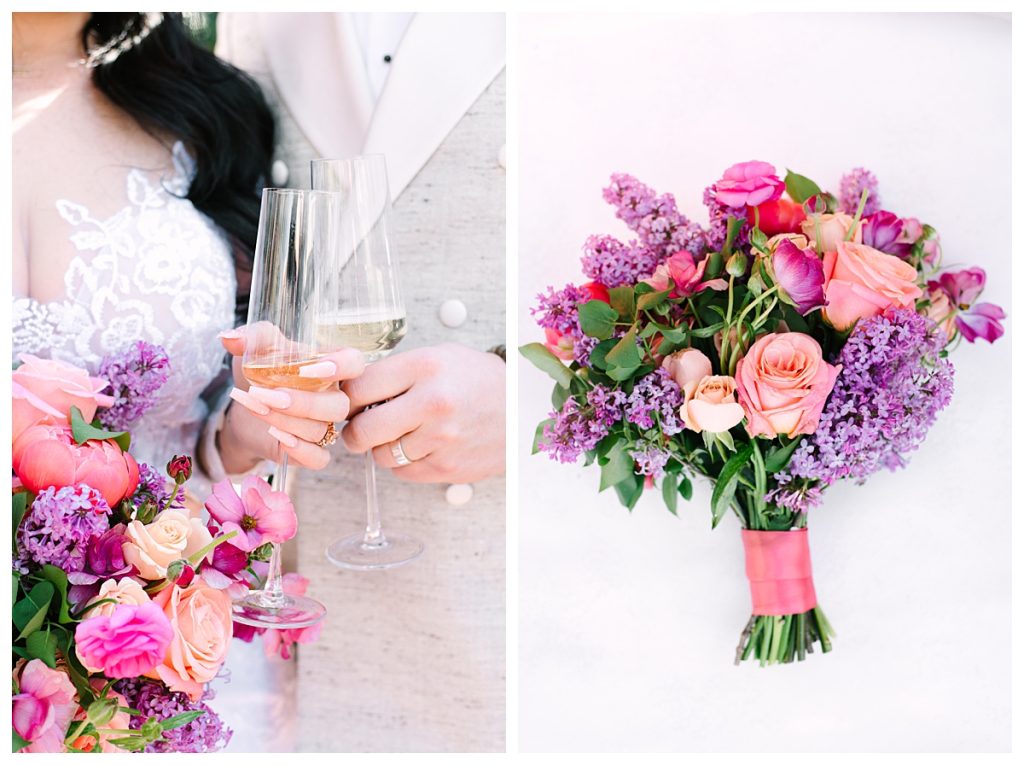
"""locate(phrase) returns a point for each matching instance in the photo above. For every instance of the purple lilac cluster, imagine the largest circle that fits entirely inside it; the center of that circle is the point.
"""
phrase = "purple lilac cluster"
(655, 402)
(852, 185)
(207, 733)
(578, 429)
(60, 525)
(558, 310)
(794, 494)
(136, 376)
(154, 485)
(614, 264)
(650, 459)
(718, 229)
(892, 386)
(655, 218)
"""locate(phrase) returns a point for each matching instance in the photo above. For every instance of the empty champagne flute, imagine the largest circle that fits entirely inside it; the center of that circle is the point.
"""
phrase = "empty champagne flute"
(369, 316)
(294, 247)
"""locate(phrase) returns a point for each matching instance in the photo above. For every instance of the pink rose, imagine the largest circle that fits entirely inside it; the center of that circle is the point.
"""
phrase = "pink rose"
(259, 515)
(44, 391)
(201, 620)
(279, 642)
(124, 591)
(47, 455)
(687, 367)
(43, 707)
(687, 277)
(832, 228)
(782, 383)
(128, 643)
(749, 183)
(712, 405)
(860, 282)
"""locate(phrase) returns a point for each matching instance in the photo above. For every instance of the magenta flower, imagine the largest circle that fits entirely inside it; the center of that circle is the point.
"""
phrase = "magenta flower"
(128, 643)
(749, 184)
(259, 515)
(882, 231)
(43, 708)
(685, 276)
(973, 319)
(800, 275)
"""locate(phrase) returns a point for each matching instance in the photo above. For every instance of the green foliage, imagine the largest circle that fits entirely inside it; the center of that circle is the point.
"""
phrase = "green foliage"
(597, 319)
(82, 431)
(799, 187)
(547, 362)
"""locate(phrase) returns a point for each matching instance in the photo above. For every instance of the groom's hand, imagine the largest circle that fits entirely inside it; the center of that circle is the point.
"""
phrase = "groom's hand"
(445, 402)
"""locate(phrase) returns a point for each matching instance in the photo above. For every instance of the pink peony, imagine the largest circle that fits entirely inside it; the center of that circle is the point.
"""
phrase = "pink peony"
(782, 383)
(259, 515)
(687, 277)
(749, 184)
(47, 455)
(128, 643)
(44, 390)
(279, 642)
(43, 707)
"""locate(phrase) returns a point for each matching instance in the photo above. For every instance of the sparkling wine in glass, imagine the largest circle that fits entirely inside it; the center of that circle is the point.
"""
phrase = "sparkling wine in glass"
(367, 314)
(294, 248)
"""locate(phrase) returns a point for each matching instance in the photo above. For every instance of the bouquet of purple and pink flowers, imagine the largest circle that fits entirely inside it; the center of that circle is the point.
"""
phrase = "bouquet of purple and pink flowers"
(122, 593)
(801, 338)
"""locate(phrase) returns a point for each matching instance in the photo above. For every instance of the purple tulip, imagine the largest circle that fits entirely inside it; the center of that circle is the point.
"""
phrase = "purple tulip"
(981, 320)
(882, 230)
(974, 320)
(104, 558)
(961, 287)
(800, 275)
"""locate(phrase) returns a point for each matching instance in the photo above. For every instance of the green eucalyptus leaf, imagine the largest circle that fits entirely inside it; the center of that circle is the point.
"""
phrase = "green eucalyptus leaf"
(800, 188)
(623, 300)
(541, 357)
(625, 354)
(652, 300)
(82, 431)
(597, 319)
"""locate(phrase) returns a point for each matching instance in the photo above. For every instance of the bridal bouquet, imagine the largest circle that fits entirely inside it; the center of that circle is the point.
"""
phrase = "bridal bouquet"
(800, 339)
(122, 594)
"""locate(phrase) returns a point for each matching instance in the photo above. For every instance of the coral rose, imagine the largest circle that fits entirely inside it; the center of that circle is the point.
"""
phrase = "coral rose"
(860, 282)
(44, 390)
(712, 405)
(152, 547)
(47, 455)
(201, 620)
(43, 707)
(782, 383)
(128, 643)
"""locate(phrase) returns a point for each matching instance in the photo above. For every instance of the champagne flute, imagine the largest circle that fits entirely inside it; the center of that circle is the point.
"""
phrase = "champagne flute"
(368, 315)
(296, 230)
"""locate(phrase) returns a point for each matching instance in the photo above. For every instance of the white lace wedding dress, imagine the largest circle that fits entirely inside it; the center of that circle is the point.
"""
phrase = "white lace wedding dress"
(161, 271)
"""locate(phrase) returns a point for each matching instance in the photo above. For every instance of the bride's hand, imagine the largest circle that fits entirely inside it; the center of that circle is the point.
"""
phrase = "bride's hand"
(275, 420)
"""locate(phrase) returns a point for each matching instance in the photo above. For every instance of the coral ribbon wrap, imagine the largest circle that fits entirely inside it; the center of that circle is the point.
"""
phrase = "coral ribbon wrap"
(779, 570)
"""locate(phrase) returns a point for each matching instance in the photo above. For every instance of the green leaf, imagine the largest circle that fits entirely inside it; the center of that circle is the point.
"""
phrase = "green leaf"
(183, 719)
(547, 362)
(652, 300)
(18, 743)
(19, 504)
(59, 579)
(759, 240)
(799, 187)
(630, 491)
(708, 331)
(597, 319)
(559, 396)
(625, 354)
(623, 301)
(539, 434)
(616, 467)
(725, 486)
(43, 646)
(668, 492)
(598, 356)
(686, 488)
(778, 458)
(29, 613)
(82, 431)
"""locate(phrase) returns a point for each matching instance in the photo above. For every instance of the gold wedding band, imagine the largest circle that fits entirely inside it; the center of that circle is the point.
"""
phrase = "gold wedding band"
(329, 437)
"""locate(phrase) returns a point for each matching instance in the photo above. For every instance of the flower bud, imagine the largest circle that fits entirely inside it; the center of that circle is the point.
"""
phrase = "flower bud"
(180, 468)
(179, 572)
(151, 730)
(737, 264)
(102, 711)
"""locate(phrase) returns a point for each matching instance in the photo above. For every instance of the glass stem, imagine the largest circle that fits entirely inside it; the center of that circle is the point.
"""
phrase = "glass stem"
(273, 591)
(373, 536)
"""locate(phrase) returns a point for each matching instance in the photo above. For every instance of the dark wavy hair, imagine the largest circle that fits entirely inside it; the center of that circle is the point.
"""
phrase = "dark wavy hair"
(148, 65)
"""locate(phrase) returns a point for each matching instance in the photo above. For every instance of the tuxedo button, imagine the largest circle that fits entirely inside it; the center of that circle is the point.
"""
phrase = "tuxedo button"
(452, 313)
(501, 157)
(279, 173)
(458, 493)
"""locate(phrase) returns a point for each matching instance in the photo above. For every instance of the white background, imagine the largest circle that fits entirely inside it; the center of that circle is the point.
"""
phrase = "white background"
(628, 623)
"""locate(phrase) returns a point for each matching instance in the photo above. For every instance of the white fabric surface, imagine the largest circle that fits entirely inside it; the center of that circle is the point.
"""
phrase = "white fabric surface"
(628, 623)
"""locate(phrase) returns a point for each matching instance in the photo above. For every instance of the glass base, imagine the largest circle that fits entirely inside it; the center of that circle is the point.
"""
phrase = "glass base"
(353, 552)
(290, 612)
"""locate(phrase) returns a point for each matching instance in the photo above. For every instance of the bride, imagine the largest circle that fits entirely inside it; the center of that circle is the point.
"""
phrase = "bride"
(139, 158)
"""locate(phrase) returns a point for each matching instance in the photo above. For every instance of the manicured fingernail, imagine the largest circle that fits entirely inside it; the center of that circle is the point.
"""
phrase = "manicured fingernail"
(229, 334)
(275, 398)
(249, 402)
(319, 369)
(285, 438)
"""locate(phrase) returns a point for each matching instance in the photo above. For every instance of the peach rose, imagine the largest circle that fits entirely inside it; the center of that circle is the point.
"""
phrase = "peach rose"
(125, 590)
(860, 282)
(687, 367)
(201, 619)
(712, 405)
(833, 228)
(782, 383)
(154, 546)
(44, 390)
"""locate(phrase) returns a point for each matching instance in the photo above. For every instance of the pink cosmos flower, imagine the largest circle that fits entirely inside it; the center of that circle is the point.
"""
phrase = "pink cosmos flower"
(800, 275)
(687, 277)
(749, 183)
(43, 707)
(128, 643)
(259, 515)
(280, 641)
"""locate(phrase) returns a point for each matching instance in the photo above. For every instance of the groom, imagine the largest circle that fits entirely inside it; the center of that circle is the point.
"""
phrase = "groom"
(410, 659)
